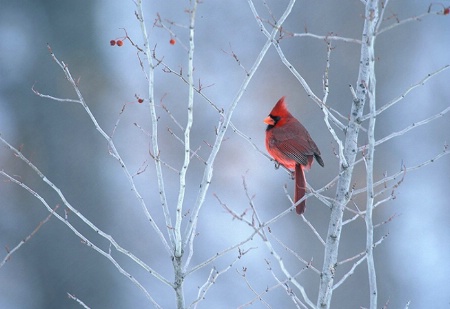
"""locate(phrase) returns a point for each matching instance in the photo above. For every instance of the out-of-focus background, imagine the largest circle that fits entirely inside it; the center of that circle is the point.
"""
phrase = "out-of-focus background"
(58, 137)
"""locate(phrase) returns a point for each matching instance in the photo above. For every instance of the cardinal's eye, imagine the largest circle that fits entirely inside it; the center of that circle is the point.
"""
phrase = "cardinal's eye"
(275, 118)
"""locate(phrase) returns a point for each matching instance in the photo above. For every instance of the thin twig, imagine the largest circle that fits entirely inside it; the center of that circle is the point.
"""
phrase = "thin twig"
(22, 242)
(407, 20)
(78, 301)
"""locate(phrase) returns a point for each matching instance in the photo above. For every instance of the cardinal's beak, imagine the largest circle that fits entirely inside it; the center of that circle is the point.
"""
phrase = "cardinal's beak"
(269, 120)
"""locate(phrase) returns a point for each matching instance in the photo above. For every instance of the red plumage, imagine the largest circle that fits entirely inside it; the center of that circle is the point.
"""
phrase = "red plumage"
(290, 144)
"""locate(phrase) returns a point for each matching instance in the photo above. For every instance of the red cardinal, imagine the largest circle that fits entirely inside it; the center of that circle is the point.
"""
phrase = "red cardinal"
(290, 144)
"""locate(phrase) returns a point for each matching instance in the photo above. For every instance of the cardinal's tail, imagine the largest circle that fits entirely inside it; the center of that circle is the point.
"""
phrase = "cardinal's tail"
(300, 188)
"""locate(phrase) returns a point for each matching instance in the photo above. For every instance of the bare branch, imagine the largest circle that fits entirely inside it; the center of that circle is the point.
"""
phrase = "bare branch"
(74, 211)
(154, 122)
(113, 151)
(329, 37)
(212, 278)
(409, 128)
(46, 96)
(307, 264)
(78, 301)
(343, 193)
(92, 245)
(363, 256)
(407, 20)
(404, 94)
(22, 242)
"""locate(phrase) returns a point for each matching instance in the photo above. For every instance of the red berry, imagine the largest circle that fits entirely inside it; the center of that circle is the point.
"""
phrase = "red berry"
(172, 41)
(140, 100)
(119, 43)
(447, 11)
(112, 42)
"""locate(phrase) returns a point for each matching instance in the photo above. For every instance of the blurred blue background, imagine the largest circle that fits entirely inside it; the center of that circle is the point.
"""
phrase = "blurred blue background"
(58, 137)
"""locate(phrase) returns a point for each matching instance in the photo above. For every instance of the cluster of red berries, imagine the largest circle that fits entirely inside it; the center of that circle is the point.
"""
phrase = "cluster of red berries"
(114, 42)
